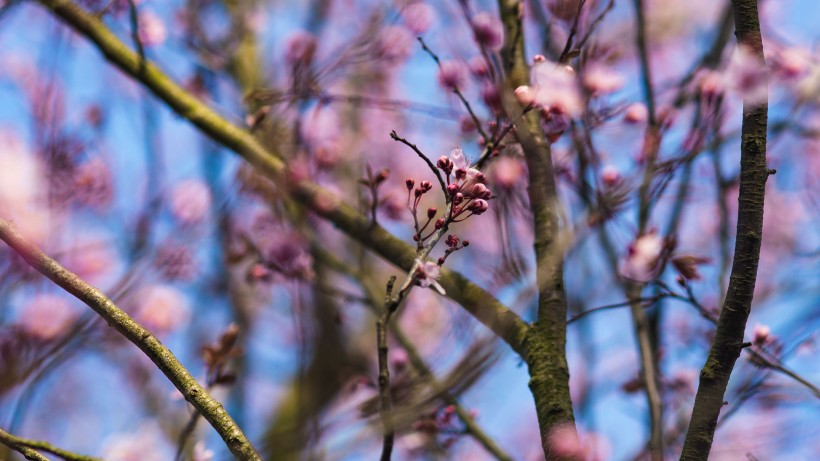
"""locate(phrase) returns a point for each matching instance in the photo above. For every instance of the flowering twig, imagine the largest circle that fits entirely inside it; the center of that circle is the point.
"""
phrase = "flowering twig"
(396, 137)
(162, 357)
(477, 301)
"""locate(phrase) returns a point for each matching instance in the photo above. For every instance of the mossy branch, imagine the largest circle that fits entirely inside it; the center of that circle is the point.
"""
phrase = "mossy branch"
(118, 319)
(477, 301)
(546, 341)
(27, 446)
(728, 343)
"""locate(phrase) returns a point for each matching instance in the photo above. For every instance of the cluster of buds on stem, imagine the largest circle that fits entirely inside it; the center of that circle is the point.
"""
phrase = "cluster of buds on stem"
(466, 189)
(453, 244)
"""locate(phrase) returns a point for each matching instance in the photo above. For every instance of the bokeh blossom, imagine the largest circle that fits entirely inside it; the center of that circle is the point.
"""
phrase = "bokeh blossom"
(190, 201)
(47, 316)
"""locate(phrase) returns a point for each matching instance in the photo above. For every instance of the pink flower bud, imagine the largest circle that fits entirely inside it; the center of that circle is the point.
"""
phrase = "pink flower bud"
(478, 66)
(478, 206)
(431, 212)
(488, 30)
(538, 58)
(409, 182)
(610, 176)
(382, 175)
(426, 185)
(524, 95)
(636, 113)
(300, 48)
(418, 17)
(479, 190)
(762, 335)
(452, 75)
(151, 30)
(190, 201)
(491, 97)
(440, 223)
(452, 189)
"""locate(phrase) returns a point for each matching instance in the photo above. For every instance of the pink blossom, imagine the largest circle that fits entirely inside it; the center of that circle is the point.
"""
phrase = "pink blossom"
(47, 316)
(190, 201)
(22, 189)
(762, 335)
(151, 29)
(300, 47)
(636, 113)
(93, 259)
(135, 445)
(600, 80)
(394, 44)
(563, 442)
(459, 160)
(710, 83)
(611, 176)
(556, 88)
(491, 96)
(478, 67)
(418, 17)
(792, 62)
(201, 453)
(643, 259)
(747, 76)
(93, 184)
(452, 75)
(426, 273)
(488, 30)
(524, 95)
(506, 173)
(162, 309)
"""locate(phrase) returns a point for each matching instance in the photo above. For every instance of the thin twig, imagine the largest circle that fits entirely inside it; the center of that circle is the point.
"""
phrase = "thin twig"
(457, 92)
(645, 302)
(426, 159)
(386, 404)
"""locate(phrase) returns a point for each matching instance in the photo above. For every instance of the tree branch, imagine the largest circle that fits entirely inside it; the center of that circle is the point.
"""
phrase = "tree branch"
(546, 343)
(728, 343)
(27, 447)
(162, 357)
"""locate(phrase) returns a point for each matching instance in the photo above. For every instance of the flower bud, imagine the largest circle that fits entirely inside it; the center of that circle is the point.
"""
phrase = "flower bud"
(524, 95)
(425, 185)
(479, 206)
(409, 182)
(452, 189)
(431, 212)
(465, 243)
(459, 197)
(382, 175)
(440, 223)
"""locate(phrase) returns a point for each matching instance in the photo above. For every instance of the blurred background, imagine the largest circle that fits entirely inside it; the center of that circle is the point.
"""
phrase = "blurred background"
(189, 240)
